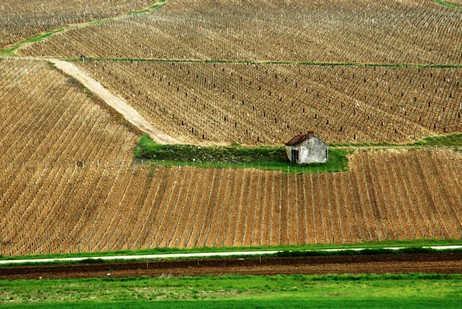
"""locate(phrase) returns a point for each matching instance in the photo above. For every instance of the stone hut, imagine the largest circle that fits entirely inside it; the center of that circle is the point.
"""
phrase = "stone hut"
(307, 148)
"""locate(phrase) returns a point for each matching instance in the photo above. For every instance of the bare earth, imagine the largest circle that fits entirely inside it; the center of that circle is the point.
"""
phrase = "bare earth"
(443, 263)
(116, 102)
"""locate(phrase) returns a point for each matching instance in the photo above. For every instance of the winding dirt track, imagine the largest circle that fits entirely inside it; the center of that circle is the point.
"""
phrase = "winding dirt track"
(443, 263)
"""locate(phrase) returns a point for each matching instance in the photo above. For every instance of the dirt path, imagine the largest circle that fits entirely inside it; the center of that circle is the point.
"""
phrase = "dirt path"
(116, 102)
(442, 263)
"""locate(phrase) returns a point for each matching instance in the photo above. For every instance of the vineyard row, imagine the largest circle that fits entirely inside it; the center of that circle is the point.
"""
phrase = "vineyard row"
(305, 30)
(47, 117)
(19, 19)
(268, 104)
(386, 195)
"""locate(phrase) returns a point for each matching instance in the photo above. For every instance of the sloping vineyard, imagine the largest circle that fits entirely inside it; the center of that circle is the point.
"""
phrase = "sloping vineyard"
(268, 104)
(20, 19)
(104, 205)
(46, 116)
(323, 31)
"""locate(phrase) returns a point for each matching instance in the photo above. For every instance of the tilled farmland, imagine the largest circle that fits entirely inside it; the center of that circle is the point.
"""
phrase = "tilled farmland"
(21, 19)
(322, 31)
(104, 206)
(442, 263)
(265, 104)
(49, 117)
(228, 72)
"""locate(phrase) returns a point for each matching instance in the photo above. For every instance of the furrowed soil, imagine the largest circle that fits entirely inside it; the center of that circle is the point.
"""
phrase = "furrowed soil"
(442, 263)
(68, 182)
(264, 104)
(21, 19)
(304, 30)
(94, 206)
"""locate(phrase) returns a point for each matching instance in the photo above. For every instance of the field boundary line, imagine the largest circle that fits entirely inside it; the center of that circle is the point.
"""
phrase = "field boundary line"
(242, 61)
(270, 62)
(116, 102)
(13, 48)
(448, 4)
(202, 255)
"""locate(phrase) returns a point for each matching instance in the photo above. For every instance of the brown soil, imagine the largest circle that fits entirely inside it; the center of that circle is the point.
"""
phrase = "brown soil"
(444, 263)
(116, 102)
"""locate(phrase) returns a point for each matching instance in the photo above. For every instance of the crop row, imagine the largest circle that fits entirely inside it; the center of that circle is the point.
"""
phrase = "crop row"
(20, 19)
(322, 31)
(46, 117)
(268, 104)
(101, 205)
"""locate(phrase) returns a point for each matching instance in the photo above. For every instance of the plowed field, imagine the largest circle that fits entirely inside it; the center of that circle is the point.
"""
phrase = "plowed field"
(48, 117)
(266, 104)
(20, 19)
(67, 179)
(407, 31)
(439, 263)
(104, 206)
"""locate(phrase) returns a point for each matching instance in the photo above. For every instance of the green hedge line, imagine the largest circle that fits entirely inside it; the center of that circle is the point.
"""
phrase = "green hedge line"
(411, 250)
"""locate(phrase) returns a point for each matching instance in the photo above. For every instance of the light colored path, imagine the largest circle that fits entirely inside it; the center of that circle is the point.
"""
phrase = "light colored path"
(193, 255)
(116, 102)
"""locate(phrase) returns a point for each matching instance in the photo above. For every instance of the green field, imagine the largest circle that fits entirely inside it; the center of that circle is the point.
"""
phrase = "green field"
(338, 291)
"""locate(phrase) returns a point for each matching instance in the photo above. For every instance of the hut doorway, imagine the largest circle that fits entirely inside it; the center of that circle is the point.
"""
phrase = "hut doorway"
(294, 155)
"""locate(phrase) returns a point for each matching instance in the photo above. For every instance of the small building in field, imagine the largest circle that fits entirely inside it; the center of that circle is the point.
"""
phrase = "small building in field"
(307, 148)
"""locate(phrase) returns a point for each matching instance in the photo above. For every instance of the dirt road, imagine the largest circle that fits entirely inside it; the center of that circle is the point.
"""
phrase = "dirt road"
(445, 263)
(116, 102)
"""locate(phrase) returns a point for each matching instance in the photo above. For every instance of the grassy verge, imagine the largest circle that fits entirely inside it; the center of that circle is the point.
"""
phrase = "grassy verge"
(233, 291)
(153, 7)
(371, 251)
(287, 253)
(235, 156)
(10, 51)
(449, 140)
(312, 247)
(448, 4)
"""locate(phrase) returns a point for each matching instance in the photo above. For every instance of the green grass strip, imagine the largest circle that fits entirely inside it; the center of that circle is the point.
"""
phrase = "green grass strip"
(234, 156)
(312, 247)
(234, 291)
(448, 4)
(447, 140)
(147, 152)
(10, 51)
(286, 253)
(369, 251)
(148, 9)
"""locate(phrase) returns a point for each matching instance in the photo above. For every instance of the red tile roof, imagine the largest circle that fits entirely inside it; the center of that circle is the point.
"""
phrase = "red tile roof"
(298, 139)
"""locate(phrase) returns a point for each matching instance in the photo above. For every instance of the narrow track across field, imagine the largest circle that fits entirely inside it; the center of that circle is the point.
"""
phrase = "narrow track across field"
(116, 102)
